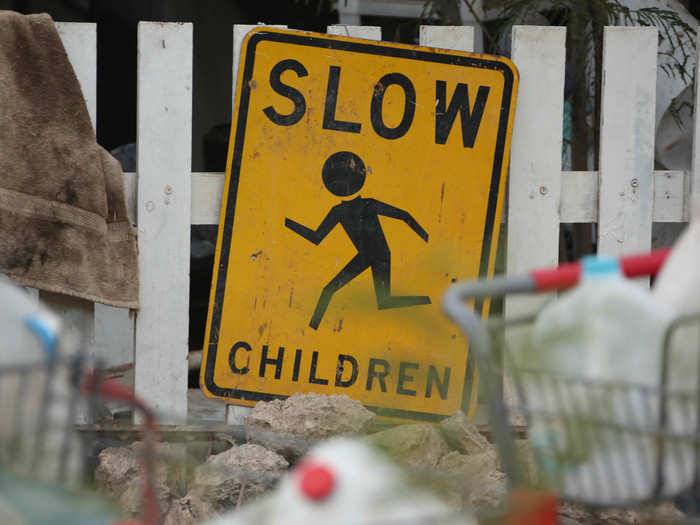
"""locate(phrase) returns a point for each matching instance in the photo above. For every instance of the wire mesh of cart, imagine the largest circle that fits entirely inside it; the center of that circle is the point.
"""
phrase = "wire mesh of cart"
(45, 471)
(599, 443)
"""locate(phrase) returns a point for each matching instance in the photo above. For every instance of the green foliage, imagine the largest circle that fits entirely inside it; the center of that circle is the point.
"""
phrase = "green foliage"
(587, 18)
(585, 22)
(587, 14)
(672, 30)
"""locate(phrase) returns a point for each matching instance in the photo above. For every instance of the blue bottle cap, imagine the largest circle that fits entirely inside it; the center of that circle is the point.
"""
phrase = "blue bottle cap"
(595, 266)
(46, 333)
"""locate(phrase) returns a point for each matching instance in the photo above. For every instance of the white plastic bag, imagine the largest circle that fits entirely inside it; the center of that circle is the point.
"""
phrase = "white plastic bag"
(678, 287)
(363, 486)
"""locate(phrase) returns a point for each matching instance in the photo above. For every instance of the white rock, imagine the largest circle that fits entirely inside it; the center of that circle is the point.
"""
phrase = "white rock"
(474, 480)
(291, 426)
(462, 435)
(116, 468)
(250, 468)
(132, 499)
(189, 510)
(415, 445)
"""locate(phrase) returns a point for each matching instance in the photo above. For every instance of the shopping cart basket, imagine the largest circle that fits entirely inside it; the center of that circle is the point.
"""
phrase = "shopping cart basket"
(44, 470)
(643, 450)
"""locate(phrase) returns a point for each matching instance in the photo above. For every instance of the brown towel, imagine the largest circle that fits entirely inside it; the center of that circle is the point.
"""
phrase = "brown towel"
(63, 221)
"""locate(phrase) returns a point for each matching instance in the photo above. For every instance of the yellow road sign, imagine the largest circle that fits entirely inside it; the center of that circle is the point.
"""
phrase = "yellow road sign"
(362, 178)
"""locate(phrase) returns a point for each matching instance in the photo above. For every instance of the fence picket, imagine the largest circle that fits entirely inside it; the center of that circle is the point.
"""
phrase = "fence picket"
(627, 140)
(534, 185)
(78, 315)
(112, 330)
(164, 166)
(695, 166)
(239, 33)
(579, 196)
(534, 182)
(367, 32)
(459, 38)
(80, 42)
(207, 189)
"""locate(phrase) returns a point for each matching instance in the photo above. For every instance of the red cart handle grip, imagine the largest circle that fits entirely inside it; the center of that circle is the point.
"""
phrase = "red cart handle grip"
(109, 389)
(568, 275)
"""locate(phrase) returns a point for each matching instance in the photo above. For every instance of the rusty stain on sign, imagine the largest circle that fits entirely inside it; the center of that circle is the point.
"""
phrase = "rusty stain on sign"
(370, 175)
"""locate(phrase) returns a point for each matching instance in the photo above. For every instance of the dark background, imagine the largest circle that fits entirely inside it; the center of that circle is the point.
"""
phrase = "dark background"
(212, 61)
(213, 21)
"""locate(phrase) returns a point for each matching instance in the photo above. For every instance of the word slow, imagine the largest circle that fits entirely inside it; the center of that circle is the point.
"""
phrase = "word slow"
(445, 114)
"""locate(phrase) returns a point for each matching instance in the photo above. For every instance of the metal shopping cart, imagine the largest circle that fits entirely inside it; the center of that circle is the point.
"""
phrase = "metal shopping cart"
(658, 435)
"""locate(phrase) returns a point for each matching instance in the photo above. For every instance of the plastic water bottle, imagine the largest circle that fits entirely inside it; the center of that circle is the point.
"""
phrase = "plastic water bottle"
(344, 482)
(31, 341)
(30, 333)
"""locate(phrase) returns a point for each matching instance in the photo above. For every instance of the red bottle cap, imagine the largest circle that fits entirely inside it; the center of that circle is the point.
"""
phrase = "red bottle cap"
(316, 481)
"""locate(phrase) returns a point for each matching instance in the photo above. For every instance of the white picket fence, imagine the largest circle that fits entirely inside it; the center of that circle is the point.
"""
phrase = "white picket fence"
(625, 197)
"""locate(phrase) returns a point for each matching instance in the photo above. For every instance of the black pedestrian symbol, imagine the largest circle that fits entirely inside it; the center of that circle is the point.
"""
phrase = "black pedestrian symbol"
(344, 174)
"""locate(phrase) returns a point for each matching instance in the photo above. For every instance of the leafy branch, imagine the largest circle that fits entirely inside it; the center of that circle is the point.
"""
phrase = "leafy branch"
(673, 30)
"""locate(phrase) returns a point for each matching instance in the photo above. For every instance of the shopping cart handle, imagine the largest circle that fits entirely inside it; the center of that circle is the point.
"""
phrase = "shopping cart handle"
(564, 276)
(94, 384)
(568, 275)
(646, 264)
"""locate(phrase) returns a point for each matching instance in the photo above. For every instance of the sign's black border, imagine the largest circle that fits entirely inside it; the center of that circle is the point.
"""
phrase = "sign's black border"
(356, 47)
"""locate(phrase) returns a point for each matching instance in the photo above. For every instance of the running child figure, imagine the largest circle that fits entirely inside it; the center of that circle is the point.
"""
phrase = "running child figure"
(344, 174)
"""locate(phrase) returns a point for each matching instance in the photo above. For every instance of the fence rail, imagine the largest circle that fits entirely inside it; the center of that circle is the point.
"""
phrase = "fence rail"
(625, 197)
